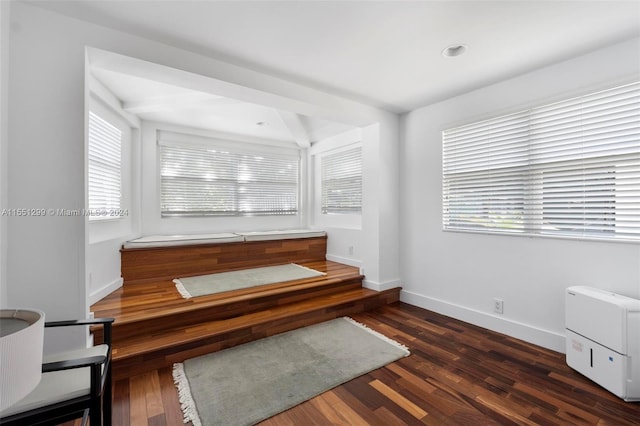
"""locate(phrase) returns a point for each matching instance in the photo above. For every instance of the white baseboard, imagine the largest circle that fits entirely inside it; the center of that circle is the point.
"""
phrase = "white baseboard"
(537, 336)
(344, 260)
(105, 291)
(373, 285)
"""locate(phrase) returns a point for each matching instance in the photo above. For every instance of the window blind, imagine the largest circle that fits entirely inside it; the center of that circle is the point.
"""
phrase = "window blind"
(341, 175)
(218, 181)
(571, 168)
(104, 166)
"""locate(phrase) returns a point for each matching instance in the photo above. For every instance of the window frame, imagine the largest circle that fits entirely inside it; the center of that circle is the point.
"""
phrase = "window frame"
(238, 150)
(593, 163)
(338, 155)
(120, 210)
(336, 143)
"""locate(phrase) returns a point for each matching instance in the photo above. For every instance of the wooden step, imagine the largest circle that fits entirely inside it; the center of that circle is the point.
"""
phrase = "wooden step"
(149, 351)
(155, 326)
(141, 265)
(152, 307)
(231, 307)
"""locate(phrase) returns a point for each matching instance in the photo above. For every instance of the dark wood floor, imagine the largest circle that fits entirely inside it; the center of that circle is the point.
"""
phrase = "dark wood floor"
(457, 374)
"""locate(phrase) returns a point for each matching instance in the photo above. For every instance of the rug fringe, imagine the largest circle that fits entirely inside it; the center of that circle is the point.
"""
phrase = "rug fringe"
(181, 289)
(188, 405)
(379, 335)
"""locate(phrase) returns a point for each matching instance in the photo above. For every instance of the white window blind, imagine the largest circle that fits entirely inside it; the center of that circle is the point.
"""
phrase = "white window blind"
(571, 168)
(341, 175)
(104, 167)
(220, 181)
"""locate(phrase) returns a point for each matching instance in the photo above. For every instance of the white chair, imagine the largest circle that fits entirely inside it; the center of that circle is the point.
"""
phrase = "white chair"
(73, 385)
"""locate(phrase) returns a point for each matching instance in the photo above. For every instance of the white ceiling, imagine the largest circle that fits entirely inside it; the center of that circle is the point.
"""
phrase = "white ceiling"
(164, 103)
(384, 53)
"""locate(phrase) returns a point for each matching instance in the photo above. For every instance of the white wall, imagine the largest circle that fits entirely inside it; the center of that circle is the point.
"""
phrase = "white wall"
(374, 237)
(46, 256)
(4, 116)
(380, 220)
(105, 238)
(344, 231)
(459, 274)
(152, 221)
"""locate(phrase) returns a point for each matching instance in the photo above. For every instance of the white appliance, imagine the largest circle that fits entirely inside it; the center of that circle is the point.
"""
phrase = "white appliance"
(603, 339)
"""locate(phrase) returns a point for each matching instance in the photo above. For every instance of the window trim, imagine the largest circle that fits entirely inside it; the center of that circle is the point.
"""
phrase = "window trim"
(532, 168)
(322, 157)
(177, 140)
(103, 214)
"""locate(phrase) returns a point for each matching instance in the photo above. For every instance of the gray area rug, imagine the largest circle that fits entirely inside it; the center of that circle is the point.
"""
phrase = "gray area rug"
(235, 280)
(249, 383)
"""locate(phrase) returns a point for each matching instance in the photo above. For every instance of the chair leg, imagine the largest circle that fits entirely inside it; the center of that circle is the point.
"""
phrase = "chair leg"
(85, 418)
(107, 403)
(95, 413)
(95, 407)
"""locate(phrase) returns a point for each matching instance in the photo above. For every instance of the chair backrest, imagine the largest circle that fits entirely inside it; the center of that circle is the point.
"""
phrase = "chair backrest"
(61, 395)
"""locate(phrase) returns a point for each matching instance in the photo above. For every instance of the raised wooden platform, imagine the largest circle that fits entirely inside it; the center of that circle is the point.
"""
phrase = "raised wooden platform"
(141, 265)
(155, 327)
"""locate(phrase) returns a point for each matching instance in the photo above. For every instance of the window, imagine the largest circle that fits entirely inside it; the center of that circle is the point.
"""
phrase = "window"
(220, 179)
(104, 167)
(571, 168)
(341, 175)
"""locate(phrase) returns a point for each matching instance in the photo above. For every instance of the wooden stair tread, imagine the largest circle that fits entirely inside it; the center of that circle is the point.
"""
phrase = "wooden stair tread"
(158, 299)
(181, 335)
(156, 327)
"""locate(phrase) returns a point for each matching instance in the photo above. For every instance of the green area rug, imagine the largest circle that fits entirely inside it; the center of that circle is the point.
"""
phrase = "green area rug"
(249, 383)
(235, 280)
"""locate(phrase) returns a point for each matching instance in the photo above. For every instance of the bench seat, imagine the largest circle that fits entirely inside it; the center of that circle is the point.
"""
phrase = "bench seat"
(151, 241)
(182, 240)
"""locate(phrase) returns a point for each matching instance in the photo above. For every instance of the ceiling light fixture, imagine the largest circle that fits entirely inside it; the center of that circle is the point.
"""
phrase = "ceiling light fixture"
(454, 50)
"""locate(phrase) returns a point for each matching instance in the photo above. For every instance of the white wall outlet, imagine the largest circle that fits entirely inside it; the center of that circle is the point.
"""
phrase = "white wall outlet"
(498, 306)
(351, 250)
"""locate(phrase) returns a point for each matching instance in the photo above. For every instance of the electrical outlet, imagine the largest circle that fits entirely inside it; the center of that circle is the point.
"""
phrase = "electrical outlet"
(498, 306)
(351, 250)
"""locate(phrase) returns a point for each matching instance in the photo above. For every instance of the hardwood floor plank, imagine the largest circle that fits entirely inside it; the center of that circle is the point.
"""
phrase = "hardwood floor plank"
(121, 397)
(360, 390)
(344, 411)
(306, 414)
(388, 417)
(327, 410)
(169, 397)
(153, 394)
(575, 409)
(492, 380)
(407, 378)
(138, 401)
(158, 420)
(402, 401)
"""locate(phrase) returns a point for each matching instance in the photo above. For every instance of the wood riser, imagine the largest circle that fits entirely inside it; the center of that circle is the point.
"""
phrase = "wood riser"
(165, 263)
(123, 331)
(252, 330)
